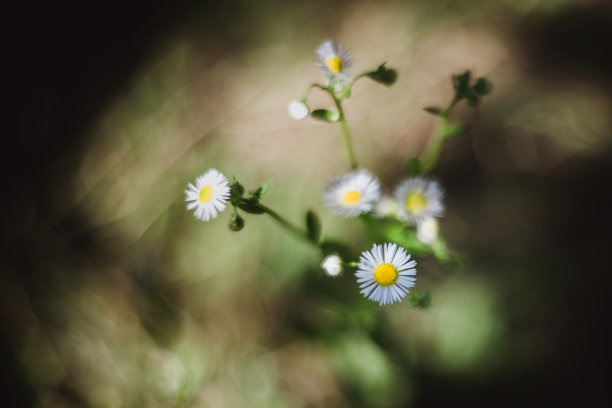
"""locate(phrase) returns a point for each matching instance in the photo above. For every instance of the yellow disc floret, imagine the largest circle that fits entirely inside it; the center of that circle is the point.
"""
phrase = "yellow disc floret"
(351, 197)
(385, 274)
(334, 64)
(205, 194)
(415, 202)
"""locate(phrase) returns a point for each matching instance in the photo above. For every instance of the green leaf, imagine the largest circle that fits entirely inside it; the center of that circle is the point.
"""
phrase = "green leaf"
(454, 130)
(434, 110)
(414, 165)
(325, 115)
(345, 93)
(258, 194)
(482, 86)
(420, 298)
(383, 75)
(313, 226)
(236, 192)
(250, 206)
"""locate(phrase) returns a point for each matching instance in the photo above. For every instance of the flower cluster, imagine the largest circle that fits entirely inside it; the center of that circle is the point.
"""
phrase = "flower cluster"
(405, 219)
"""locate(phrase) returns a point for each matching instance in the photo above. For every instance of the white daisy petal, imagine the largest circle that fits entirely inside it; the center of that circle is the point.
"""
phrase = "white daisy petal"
(419, 198)
(352, 194)
(382, 273)
(209, 195)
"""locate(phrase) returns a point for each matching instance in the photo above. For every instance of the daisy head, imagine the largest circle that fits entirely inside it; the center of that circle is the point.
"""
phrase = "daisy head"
(419, 198)
(334, 60)
(352, 194)
(332, 265)
(385, 273)
(208, 196)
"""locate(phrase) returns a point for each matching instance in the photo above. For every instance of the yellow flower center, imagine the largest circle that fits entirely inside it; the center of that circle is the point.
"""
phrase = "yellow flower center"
(205, 194)
(334, 64)
(351, 197)
(415, 202)
(385, 274)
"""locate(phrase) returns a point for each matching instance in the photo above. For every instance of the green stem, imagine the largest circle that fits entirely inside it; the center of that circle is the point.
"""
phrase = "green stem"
(429, 158)
(346, 134)
(289, 226)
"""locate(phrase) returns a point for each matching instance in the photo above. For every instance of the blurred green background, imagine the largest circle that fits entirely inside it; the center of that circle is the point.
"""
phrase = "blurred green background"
(113, 295)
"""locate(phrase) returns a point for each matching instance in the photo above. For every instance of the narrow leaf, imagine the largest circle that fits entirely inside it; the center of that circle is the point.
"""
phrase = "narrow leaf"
(434, 110)
(324, 115)
(313, 226)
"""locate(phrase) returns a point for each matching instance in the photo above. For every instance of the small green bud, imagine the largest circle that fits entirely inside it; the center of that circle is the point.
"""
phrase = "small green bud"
(236, 223)
(298, 110)
(482, 86)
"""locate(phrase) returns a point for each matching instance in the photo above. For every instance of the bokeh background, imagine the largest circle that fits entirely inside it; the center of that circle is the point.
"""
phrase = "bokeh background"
(113, 295)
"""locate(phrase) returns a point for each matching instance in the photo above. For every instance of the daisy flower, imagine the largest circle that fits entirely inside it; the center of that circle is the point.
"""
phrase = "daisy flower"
(384, 273)
(334, 61)
(332, 265)
(353, 194)
(427, 230)
(208, 196)
(419, 198)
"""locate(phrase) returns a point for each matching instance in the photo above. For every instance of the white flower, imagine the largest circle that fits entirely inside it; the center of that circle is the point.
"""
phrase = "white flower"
(208, 196)
(384, 273)
(332, 265)
(334, 60)
(298, 110)
(427, 230)
(353, 194)
(419, 198)
(386, 207)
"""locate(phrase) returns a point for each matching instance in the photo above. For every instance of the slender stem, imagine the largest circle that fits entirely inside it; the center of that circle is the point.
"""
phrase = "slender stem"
(282, 221)
(341, 119)
(346, 134)
(430, 156)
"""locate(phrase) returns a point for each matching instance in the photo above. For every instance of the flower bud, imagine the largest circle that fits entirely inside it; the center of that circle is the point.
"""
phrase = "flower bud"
(298, 110)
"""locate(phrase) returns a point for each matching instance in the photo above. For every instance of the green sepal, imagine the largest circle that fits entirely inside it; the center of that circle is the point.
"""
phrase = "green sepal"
(434, 110)
(258, 194)
(420, 298)
(236, 192)
(482, 86)
(250, 206)
(236, 223)
(313, 226)
(414, 166)
(383, 75)
(325, 115)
